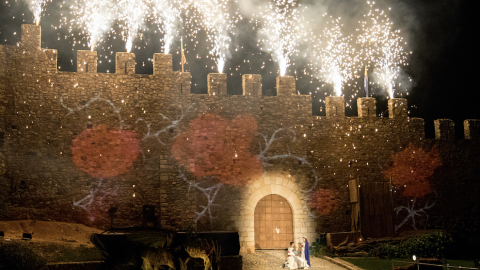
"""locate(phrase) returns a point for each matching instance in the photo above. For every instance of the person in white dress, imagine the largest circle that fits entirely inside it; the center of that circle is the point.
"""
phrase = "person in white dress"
(305, 257)
(293, 259)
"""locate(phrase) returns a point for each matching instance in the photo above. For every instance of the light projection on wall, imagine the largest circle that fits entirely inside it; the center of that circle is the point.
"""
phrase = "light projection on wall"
(98, 97)
(411, 170)
(263, 155)
(94, 199)
(215, 146)
(173, 126)
(324, 201)
(102, 152)
(210, 193)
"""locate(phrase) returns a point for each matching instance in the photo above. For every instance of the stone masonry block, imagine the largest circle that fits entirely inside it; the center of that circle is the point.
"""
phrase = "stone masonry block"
(217, 84)
(125, 63)
(286, 86)
(444, 129)
(367, 107)
(252, 85)
(31, 36)
(472, 129)
(86, 61)
(397, 108)
(335, 107)
(162, 63)
(183, 82)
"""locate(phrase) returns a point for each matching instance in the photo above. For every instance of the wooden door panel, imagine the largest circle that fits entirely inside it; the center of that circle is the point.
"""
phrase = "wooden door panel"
(273, 223)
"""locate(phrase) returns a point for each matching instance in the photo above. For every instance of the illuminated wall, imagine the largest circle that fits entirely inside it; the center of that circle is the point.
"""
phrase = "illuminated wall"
(77, 143)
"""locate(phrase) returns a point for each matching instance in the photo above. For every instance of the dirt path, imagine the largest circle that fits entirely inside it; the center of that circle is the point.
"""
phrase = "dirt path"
(272, 259)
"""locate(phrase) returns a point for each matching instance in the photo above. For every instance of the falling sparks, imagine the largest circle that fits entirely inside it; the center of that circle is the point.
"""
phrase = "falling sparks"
(382, 47)
(132, 14)
(218, 22)
(167, 15)
(336, 57)
(36, 6)
(279, 32)
(95, 16)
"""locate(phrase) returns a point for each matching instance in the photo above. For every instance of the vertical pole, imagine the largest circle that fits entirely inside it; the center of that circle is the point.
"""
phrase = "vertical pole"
(359, 207)
(418, 265)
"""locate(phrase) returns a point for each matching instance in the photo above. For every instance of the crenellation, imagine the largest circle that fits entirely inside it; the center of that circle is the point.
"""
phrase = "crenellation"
(162, 64)
(335, 107)
(397, 108)
(182, 82)
(367, 107)
(286, 86)
(31, 37)
(124, 63)
(217, 84)
(472, 129)
(252, 85)
(86, 61)
(444, 129)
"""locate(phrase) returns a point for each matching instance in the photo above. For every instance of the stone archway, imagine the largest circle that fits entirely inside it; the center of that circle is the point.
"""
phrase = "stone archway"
(273, 223)
(278, 184)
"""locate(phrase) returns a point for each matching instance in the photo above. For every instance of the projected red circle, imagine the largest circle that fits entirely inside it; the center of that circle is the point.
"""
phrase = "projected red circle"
(102, 152)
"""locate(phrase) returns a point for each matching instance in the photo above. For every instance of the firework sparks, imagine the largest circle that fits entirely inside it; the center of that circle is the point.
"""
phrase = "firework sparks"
(280, 31)
(36, 6)
(336, 57)
(95, 16)
(132, 13)
(218, 22)
(167, 15)
(382, 47)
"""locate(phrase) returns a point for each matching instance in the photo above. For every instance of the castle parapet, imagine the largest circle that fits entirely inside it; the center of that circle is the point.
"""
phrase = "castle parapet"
(367, 107)
(335, 107)
(472, 129)
(31, 36)
(217, 84)
(162, 64)
(444, 129)
(182, 82)
(86, 61)
(252, 85)
(397, 108)
(286, 86)
(124, 63)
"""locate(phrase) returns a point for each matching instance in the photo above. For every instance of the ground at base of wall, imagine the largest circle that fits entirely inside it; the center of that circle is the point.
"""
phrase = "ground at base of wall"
(385, 264)
(55, 241)
(272, 259)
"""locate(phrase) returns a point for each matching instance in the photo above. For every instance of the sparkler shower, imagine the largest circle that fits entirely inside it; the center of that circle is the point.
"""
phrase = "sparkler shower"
(382, 47)
(282, 29)
(280, 32)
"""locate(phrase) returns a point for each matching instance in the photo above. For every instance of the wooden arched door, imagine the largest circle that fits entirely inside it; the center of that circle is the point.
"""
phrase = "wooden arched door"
(273, 223)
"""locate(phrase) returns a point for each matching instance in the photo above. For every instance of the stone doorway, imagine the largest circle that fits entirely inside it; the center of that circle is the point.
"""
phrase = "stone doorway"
(273, 223)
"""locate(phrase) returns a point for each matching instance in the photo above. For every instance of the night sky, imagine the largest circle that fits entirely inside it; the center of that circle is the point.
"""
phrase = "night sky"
(444, 66)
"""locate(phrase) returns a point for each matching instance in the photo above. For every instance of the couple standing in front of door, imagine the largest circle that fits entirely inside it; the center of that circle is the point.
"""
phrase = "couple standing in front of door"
(298, 262)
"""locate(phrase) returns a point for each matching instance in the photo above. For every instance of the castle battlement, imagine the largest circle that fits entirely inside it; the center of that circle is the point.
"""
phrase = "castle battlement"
(31, 60)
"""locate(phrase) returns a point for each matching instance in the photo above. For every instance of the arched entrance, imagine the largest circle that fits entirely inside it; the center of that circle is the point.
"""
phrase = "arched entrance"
(273, 223)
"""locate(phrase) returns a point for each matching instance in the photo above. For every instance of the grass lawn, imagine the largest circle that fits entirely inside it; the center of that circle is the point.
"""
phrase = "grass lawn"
(386, 264)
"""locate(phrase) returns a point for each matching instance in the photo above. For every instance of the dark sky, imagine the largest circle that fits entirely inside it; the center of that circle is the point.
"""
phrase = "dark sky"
(442, 34)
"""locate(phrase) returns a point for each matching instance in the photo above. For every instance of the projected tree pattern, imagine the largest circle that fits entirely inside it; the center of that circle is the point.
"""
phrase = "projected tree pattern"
(102, 152)
(215, 146)
(411, 169)
(323, 201)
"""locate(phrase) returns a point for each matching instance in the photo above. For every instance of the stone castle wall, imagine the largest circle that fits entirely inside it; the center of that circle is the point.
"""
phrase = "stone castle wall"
(203, 159)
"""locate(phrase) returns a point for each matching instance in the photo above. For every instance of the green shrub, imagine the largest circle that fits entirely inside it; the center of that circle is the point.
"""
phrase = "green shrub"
(434, 245)
(20, 256)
